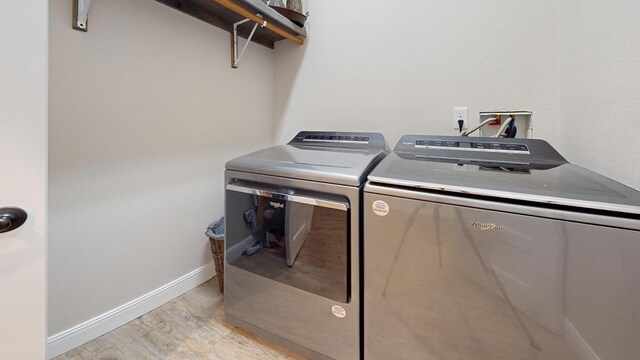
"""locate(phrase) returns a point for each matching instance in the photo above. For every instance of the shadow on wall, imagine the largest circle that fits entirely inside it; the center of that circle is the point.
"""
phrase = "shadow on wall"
(292, 58)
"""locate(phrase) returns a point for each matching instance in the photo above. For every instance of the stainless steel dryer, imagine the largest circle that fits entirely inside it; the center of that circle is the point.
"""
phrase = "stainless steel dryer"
(482, 248)
(293, 224)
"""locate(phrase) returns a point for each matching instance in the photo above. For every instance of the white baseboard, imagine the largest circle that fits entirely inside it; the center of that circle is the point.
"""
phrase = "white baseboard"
(91, 329)
(578, 343)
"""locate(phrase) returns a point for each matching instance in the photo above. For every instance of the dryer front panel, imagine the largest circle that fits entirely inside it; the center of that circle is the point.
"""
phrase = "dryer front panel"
(292, 263)
(454, 282)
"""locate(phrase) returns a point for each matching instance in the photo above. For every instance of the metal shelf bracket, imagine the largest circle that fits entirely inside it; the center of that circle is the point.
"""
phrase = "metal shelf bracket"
(236, 55)
(81, 14)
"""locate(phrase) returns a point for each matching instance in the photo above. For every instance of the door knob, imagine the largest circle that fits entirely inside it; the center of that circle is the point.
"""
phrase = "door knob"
(11, 218)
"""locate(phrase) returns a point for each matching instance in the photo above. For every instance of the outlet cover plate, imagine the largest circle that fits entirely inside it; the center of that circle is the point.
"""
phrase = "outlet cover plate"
(460, 113)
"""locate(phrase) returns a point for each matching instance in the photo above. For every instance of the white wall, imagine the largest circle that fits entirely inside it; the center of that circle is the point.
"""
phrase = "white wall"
(145, 111)
(600, 86)
(23, 176)
(370, 65)
(401, 67)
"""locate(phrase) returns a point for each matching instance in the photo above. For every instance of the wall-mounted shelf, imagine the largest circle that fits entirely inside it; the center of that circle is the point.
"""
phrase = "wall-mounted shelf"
(81, 14)
(225, 13)
(251, 19)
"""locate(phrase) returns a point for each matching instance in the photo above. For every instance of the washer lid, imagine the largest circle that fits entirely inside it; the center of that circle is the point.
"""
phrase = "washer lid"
(539, 176)
(329, 157)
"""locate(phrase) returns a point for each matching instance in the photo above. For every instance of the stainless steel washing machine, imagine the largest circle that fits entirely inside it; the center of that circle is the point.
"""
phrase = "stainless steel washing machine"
(482, 248)
(293, 220)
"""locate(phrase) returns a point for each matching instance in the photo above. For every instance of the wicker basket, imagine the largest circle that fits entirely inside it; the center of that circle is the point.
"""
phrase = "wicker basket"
(217, 250)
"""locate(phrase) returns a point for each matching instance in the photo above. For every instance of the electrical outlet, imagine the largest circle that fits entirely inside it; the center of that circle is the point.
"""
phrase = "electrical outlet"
(461, 113)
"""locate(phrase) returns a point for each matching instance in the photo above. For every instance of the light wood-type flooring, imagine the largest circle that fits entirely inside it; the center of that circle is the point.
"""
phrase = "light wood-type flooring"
(189, 327)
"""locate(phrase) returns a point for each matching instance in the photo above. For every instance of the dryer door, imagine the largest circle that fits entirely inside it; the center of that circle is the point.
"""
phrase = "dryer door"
(292, 237)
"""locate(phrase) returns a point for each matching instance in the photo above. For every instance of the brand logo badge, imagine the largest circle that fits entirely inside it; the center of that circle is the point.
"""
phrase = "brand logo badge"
(276, 205)
(338, 311)
(488, 226)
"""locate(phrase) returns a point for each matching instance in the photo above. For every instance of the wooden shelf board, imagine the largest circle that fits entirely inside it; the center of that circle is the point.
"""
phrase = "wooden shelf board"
(223, 18)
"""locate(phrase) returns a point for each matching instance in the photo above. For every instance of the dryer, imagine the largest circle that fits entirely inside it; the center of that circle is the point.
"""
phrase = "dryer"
(483, 248)
(293, 233)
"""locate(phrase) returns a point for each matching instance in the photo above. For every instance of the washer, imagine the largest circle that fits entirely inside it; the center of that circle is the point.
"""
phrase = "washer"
(483, 248)
(293, 220)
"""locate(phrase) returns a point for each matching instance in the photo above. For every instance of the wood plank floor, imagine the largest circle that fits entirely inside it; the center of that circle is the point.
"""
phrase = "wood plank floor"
(189, 327)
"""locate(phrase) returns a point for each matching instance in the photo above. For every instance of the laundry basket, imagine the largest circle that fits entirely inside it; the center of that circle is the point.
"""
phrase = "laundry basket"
(215, 232)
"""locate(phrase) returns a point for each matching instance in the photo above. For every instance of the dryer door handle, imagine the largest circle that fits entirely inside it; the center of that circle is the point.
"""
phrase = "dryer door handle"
(290, 197)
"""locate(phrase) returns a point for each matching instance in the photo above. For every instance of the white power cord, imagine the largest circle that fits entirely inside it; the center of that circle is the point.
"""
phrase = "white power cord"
(504, 127)
(471, 131)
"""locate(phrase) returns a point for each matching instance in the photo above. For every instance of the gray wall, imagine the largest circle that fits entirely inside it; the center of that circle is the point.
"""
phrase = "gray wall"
(373, 65)
(600, 86)
(369, 65)
(144, 112)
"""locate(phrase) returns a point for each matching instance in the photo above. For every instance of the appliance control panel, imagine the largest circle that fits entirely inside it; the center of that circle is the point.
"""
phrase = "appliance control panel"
(501, 147)
(472, 149)
(330, 139)
(337, 139)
